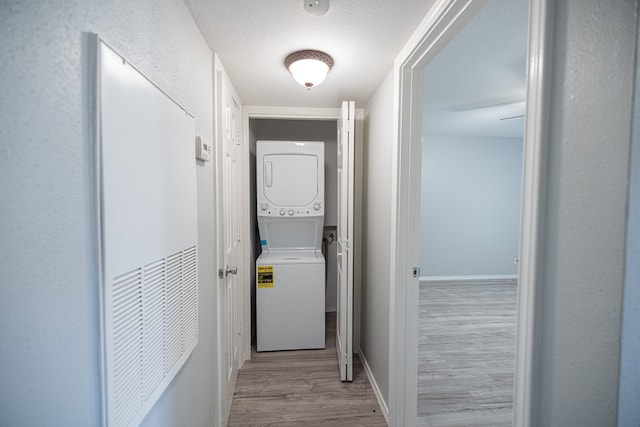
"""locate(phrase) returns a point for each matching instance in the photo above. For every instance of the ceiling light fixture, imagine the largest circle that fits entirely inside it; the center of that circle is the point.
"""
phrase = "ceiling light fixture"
(308, 67)
(316, 7)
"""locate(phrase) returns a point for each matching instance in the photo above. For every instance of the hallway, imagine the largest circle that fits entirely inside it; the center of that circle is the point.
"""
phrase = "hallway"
(293, 388)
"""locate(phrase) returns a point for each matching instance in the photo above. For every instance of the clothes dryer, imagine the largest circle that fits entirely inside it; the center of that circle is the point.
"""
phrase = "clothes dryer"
(290, 179)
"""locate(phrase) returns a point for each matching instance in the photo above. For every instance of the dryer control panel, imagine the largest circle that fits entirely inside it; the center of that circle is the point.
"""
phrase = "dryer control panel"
(266, 209)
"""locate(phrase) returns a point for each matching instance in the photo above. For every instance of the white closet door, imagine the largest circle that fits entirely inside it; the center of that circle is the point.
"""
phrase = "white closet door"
(344, 329)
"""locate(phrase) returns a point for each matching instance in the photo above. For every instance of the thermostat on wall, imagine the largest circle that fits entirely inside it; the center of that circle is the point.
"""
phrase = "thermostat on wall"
(203, 149)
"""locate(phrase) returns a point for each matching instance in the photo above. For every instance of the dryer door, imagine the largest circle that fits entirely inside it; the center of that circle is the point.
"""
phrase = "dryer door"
(291, 180)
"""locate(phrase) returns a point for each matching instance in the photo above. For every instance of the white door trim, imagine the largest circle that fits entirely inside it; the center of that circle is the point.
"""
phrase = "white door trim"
(533, 207)
(220, 401)
(303, 113)
(438, 27)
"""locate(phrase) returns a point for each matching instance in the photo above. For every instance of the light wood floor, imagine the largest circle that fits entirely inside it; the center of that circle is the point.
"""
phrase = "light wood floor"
(303, 388)
(466, 354)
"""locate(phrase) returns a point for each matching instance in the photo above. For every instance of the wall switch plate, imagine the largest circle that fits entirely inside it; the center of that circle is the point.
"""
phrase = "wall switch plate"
(204, 150)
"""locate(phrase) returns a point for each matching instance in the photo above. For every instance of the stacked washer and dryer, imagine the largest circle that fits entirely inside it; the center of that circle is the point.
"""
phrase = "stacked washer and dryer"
(290, 272)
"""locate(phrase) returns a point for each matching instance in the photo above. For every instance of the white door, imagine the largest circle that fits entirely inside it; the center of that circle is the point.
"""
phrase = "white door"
(228, 166)
(346, 165)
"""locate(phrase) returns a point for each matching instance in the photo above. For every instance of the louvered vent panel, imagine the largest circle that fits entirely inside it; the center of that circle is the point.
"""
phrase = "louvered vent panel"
(174, 309)
(153, 339)
(190, 293)
(127, 334)
(155, 324)
(148, 233)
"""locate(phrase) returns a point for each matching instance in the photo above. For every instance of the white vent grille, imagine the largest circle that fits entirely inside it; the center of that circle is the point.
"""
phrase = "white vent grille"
(148, 233)
(155, 327)
(127, 335)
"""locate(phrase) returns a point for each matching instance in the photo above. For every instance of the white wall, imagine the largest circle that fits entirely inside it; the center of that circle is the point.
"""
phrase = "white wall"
(376, 233)
(629, 410)
(584, 248)
(470, 205)
(308, 130)
(49, 369)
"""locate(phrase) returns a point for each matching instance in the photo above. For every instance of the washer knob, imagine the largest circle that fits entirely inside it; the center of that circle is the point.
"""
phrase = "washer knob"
(290, 211)
(282, 212)
(264, 206)
(316, 206)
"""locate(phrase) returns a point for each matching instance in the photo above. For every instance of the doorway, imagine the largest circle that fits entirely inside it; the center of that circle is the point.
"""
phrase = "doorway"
(438, 28)
(298, 130)
(269, 375)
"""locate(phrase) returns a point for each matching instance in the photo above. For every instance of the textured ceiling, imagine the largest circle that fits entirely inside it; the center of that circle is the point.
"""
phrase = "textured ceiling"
(469, 86)
(252, 38)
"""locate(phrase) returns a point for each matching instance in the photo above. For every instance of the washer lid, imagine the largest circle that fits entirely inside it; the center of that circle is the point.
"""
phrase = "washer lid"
(290, 257)
(290, 234)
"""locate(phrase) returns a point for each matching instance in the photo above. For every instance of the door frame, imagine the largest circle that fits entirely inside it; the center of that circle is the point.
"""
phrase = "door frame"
(440, 25)
(303, 113)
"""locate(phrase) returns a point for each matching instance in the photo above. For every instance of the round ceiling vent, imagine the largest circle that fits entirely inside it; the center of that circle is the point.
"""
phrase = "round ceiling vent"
(316, 7)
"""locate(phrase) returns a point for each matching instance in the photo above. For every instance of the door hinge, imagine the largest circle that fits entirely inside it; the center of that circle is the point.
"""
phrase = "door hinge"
(346, 245)
(347, 359)
(416, 271)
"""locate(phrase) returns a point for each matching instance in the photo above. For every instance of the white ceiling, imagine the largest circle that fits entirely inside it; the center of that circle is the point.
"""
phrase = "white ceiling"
(476, 80)
(479, 77)
(252, 39)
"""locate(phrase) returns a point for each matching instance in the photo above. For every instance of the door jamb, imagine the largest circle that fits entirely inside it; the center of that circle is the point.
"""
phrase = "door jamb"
(219, 404)
(438, 27)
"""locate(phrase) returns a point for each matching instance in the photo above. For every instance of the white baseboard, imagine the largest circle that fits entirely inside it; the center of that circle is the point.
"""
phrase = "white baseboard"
(473, 278)
(374, 385)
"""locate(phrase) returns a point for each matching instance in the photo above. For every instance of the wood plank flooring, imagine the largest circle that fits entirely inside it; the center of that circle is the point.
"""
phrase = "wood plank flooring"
(466, 354)
(303, 388)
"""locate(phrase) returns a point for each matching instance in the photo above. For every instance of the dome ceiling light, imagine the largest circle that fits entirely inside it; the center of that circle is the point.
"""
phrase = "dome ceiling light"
(309, 67)
(316, 7)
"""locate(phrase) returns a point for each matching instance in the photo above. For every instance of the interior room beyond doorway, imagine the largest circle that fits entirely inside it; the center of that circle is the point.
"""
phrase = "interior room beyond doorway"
(472, 144)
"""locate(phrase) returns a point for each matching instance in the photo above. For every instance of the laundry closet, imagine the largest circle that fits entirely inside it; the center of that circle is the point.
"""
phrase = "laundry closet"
(265, 131)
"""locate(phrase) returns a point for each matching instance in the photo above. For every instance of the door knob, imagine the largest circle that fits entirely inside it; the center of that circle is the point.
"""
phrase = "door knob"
(230, 270)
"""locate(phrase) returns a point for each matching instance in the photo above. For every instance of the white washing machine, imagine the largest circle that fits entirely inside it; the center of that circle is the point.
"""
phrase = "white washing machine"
(290, 298)
(290, 272)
